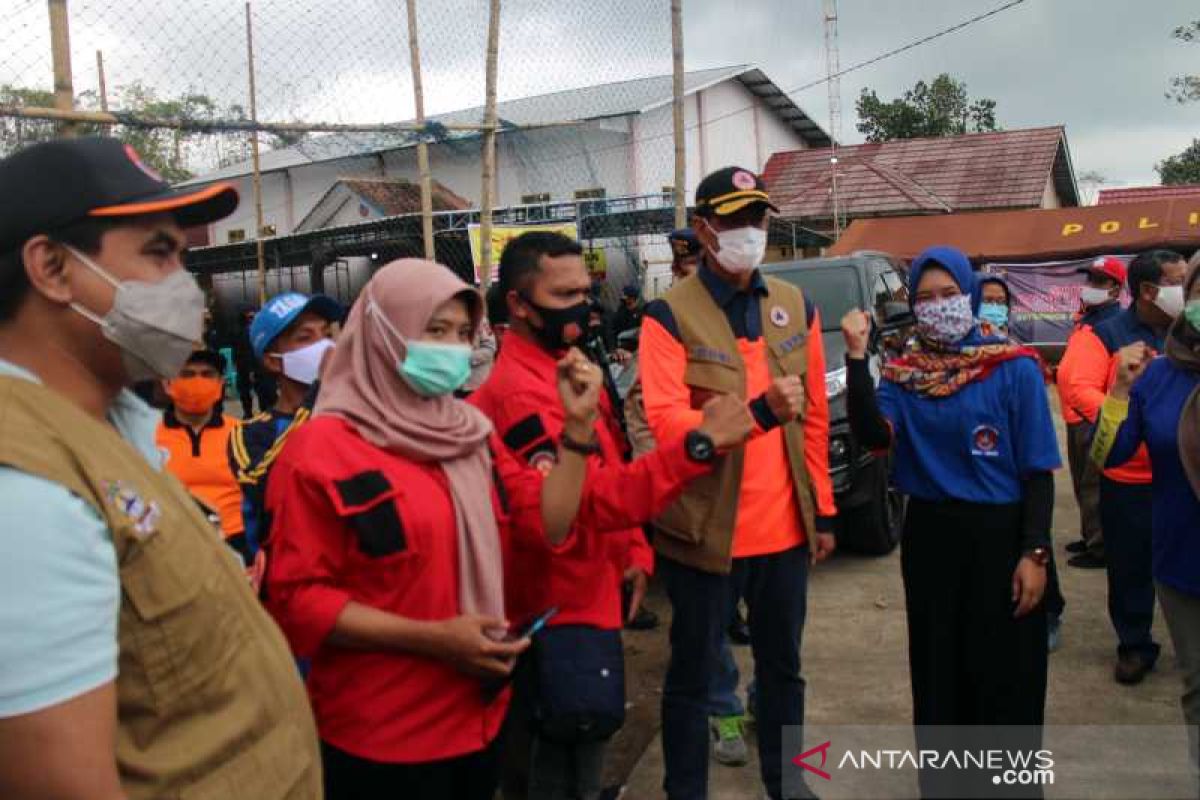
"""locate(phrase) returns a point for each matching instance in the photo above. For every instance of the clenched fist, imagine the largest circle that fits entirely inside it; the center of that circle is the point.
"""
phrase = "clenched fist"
(786, 398)
(856, 330)
(579, 385)
(1132, 361)
(727, 421)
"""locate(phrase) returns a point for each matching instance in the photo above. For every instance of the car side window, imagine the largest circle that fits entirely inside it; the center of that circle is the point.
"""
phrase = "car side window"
(881, 291)
(896, 287)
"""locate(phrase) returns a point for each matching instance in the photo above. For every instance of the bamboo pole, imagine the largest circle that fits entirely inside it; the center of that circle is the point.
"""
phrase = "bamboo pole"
(487, 192)
(103, 82)
(680, 187)
(60, 54)
(414, 52)
(258, 206)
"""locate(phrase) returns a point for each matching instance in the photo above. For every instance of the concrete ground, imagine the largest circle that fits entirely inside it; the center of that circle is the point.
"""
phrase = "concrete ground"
(855, 662)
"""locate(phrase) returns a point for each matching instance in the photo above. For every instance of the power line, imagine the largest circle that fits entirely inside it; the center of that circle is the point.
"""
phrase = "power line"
(860, 65)
(909, 46)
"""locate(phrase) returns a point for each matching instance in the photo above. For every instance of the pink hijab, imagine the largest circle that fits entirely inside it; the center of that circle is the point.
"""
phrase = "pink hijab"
(362, 385)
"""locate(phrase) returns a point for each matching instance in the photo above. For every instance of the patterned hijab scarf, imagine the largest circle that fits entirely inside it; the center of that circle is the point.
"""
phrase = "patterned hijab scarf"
(936, 369)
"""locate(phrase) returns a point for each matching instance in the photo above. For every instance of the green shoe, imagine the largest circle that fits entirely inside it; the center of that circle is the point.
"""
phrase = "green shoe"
(729, 745)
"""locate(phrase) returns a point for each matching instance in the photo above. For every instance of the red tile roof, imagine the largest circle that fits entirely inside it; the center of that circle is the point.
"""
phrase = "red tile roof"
(1002, 170)
(1136, 194)
(393, 196)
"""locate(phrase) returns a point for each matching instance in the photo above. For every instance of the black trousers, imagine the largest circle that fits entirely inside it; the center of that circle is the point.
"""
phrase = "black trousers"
(470, 777)
(972, 663)
(776, 593)
(1126, 510)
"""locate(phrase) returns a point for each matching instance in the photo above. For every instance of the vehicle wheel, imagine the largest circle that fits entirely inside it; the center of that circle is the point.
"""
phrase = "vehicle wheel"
(874, 528)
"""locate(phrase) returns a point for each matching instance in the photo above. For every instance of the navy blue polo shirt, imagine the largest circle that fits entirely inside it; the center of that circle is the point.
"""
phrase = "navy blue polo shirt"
(976, 445)
(1124, 329)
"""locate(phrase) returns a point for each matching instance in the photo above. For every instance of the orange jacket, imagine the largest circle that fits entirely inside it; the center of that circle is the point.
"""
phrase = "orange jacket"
(201, 463)
(1085, 375)
(768, 518)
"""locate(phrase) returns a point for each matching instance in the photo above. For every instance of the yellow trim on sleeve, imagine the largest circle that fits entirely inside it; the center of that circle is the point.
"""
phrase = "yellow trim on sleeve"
(1108, 423)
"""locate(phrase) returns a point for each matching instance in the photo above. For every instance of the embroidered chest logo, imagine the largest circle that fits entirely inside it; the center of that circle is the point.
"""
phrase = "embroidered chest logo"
(985, 441)
(129, 504)
(779, 316)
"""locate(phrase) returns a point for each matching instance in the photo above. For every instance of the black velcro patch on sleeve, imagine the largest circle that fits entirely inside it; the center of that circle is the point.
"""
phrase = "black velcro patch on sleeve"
(379, 530)
(525, 432)
(362, 488)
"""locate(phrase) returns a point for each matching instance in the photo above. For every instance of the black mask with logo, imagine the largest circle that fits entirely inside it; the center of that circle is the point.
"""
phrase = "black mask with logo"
(561, 327)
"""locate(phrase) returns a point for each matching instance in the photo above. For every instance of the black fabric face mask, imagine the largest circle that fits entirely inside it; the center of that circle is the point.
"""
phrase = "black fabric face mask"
(561, 327)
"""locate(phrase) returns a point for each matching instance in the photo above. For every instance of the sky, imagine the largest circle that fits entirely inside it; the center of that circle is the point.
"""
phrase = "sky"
(1099, 67)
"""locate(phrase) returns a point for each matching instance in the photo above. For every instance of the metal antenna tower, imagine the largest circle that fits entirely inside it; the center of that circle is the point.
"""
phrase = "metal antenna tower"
(834, 83)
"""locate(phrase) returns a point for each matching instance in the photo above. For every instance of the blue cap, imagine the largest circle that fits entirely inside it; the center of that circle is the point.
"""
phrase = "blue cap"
(282, 310)
(684, 242)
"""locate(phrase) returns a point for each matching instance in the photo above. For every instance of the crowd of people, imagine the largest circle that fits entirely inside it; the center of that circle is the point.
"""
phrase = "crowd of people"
(408, 573)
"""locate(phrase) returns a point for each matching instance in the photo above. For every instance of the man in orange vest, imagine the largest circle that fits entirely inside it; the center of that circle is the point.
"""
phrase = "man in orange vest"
(194, 437)
(1080, 392)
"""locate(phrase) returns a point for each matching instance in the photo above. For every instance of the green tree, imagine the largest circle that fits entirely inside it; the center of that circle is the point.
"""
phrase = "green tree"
(1186, 88)
(940, 108)
(173, 153)
(1181, 168)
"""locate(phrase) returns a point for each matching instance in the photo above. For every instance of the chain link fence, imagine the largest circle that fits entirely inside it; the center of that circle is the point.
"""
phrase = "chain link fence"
(583, 138)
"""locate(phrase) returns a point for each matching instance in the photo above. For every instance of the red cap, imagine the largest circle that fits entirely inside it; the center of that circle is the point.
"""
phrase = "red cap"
(1107, 265)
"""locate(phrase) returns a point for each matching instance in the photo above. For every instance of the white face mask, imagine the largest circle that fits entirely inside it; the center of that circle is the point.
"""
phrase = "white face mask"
(742, 249)
(303, 365)
(1091, 296)
(156, 325)
(1170, 300)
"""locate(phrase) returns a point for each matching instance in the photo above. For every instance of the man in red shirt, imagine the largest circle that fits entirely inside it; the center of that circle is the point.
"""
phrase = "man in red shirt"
(767, 510)
(545, 284)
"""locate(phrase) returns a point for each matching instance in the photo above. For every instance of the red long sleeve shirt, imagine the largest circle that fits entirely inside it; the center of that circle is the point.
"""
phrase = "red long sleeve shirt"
(353, 522)
(582, 576)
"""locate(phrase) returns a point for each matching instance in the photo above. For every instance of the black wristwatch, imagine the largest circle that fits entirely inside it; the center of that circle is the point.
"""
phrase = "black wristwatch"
(583, 448)
(699, 446)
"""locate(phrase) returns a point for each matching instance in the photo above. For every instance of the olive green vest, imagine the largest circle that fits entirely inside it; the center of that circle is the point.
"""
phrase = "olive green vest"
(697, 529)
(209, 702)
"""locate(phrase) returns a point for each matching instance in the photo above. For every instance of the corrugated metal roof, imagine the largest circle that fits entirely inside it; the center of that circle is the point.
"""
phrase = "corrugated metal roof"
(1006, 169)
(1134, 194)
(583, 103)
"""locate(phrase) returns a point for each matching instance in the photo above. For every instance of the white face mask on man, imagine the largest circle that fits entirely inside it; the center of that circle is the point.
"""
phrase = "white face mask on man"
(1170, 300)
(741, 249)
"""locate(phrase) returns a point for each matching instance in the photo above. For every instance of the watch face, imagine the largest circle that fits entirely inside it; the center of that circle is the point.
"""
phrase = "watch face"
(700, 447)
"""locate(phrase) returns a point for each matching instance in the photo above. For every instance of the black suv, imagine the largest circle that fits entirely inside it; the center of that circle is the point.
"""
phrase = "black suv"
(870, 511)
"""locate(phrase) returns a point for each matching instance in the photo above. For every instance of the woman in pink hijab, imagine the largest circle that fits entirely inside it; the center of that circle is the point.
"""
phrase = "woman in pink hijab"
(390, 515)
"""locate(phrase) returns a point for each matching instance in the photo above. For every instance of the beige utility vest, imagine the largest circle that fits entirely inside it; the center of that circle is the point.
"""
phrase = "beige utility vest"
(209, 702)
(697, 529)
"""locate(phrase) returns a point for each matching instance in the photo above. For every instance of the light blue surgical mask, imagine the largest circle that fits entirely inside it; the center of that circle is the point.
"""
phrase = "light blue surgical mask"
(432, 369)
(995, 314)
